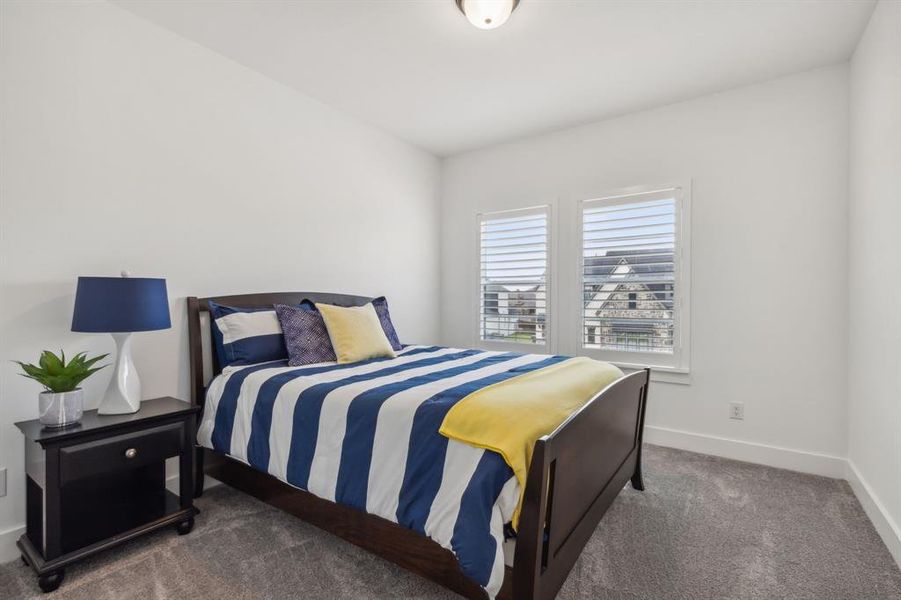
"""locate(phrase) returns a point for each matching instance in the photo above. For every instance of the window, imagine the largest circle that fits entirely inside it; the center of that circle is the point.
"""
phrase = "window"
(513, 276)
(633, 284)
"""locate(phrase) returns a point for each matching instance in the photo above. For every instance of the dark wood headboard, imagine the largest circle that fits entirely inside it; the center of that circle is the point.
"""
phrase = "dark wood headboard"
(196, 306)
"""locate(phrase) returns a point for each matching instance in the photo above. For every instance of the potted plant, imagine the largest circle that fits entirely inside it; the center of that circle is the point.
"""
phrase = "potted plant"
(62, 401)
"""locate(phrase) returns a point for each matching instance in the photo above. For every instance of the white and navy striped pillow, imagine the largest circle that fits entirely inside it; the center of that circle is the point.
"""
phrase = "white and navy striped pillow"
(246, 336)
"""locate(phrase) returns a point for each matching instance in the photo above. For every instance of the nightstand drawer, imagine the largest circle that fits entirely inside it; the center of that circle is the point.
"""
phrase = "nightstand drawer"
(124, 451)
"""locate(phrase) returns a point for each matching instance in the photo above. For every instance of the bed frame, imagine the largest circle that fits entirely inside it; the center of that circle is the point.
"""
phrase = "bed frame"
(575, 474)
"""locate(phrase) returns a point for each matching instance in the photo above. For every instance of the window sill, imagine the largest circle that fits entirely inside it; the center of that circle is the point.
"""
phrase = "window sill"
(658, 373)
(512, 346)
(661, 374)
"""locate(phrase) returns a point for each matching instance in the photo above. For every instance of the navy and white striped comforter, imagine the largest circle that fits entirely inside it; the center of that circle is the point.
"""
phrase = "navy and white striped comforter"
(366, 435)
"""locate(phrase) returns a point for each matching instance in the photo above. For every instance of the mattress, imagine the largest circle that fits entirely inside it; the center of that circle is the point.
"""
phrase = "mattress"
(366, 435)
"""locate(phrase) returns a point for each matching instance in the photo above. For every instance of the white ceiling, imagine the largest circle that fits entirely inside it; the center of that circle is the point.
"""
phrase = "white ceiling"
(420, 71)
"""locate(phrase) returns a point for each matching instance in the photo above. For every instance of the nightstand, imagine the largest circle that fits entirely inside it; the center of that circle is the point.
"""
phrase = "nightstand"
(102, 482)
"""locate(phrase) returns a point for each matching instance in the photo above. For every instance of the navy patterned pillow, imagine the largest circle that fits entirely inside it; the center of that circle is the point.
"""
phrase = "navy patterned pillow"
(381, 309)
(305, 334)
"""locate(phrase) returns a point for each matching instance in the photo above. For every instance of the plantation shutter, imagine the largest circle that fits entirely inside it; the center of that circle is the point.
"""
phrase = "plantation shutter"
(629, 268)
(513, 282)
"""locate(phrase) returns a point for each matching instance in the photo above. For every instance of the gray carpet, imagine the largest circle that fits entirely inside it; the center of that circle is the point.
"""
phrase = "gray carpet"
(705, 528)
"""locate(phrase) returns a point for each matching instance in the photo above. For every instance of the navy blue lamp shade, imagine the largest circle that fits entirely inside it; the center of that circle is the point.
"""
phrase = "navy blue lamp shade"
(120, 304)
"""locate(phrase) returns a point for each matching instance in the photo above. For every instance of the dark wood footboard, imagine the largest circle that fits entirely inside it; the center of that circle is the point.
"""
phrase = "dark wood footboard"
(575, 474)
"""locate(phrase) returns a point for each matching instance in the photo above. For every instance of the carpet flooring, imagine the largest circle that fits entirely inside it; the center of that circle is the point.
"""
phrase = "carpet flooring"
(706, 528)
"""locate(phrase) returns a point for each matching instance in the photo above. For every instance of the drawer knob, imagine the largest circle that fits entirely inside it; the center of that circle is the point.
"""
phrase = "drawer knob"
(131, 453)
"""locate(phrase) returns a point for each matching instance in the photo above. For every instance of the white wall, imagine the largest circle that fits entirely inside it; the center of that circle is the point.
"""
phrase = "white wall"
(874, 390)
(768, 166)
(123, 145)
(126, 146)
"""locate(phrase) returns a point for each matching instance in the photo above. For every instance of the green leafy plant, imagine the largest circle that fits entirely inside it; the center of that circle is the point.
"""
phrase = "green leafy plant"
(56, 375)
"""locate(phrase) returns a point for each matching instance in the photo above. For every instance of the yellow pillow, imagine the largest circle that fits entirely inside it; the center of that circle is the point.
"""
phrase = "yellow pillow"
(356, 332)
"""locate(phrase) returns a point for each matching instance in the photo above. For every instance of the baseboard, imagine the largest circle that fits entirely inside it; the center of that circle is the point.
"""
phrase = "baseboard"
(762, 454)
(8, 538)
(885, 526)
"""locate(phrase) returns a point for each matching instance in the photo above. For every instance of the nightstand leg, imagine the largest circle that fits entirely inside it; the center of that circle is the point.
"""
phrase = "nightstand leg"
(50, 581)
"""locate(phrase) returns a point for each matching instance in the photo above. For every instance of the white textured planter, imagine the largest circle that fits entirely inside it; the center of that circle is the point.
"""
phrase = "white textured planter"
(60, 409)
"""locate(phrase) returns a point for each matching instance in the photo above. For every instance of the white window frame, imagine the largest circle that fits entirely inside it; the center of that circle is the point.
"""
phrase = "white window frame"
(677, 363)
(550, 290)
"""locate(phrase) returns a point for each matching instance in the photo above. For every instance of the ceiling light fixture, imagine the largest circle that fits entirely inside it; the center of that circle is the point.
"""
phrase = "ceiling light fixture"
(487, 14)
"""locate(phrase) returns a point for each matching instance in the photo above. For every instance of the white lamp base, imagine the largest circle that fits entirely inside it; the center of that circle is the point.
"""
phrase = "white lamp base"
(123, 396)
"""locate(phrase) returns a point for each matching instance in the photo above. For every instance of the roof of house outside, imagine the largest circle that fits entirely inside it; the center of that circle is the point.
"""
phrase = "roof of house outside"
(644, 262)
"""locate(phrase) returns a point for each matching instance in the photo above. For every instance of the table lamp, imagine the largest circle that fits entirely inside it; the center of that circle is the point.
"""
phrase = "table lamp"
(120, 306)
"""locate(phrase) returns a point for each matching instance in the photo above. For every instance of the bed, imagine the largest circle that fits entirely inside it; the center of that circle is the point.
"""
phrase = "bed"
(392, 484)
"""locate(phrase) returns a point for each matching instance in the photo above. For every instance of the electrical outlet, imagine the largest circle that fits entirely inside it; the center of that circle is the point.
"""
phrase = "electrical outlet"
(737, 411)
(2, 482)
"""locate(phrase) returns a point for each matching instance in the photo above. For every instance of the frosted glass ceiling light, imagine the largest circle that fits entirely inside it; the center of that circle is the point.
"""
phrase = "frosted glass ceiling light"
(487, 14)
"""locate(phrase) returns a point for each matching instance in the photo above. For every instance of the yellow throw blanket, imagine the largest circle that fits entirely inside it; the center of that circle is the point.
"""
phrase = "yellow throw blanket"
(509, 417)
